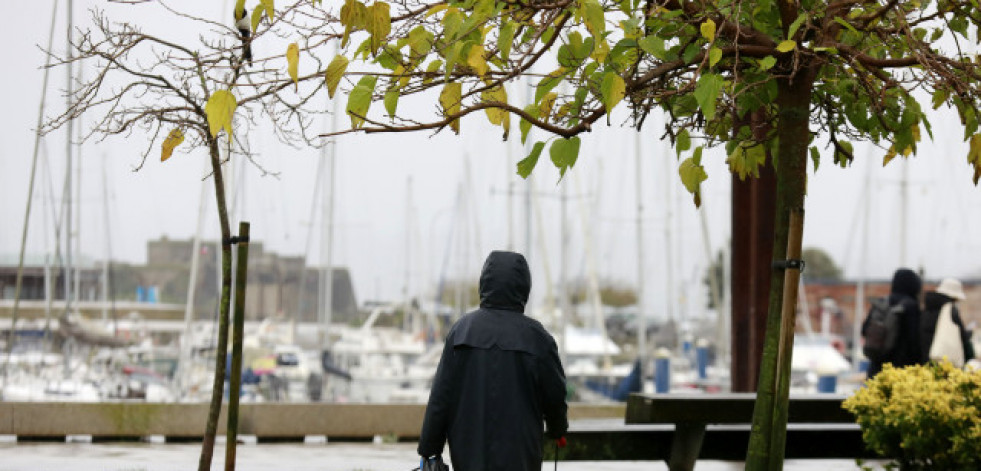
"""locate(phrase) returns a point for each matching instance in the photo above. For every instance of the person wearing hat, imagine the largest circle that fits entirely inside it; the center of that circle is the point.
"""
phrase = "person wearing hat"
(949, 291)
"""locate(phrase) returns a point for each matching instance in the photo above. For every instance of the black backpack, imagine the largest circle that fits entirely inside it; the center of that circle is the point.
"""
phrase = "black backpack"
(881, 329)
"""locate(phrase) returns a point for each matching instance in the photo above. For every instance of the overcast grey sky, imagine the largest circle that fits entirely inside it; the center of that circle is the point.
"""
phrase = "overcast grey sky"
(378, 216)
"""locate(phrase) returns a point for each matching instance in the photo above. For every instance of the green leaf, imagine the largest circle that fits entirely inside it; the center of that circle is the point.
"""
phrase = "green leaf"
(391, 101)
(683, 142)
(335, 71)
(815, 157)
(767, 63)
(564, 153)
(940, 96)
(525, 125)
(707, 93)
(548, 83)
(654, 46)
(449, 99)
(528, 163)
(594, 17)
(505, 38)
(359, 101)
(708, 29)
(846, 24)
(432, 69)
(613, 89)
(796, 25)
(787, 45)
(692, 175)
(219, 109)
(715, 54)
(746, 161)
(420, 41)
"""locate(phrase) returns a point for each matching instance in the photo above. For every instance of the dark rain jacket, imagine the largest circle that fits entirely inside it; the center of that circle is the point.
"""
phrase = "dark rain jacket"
(905, 290)
(498, 380)
(932, 303)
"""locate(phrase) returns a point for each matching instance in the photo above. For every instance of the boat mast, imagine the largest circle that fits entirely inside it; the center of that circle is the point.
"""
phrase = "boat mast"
(327, 253)
(863, 254)
(68, 168)
(30, 196)
(641, 306)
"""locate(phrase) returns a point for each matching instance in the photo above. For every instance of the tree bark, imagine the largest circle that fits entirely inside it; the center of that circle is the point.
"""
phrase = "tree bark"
(238, 328)
(218, 386)
(768, 435)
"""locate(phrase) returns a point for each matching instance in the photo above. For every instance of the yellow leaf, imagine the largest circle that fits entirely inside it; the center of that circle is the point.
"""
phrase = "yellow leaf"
(379, 24)
(891, 154)
(174, 139)
(220, 108)
(708, 29)
(974, 156)
(787, 45)
(545, 106)
(476, 60)
(335, 70)
(293, 63)
(269, 7)
(256, 17)
(239, 9)
(449, 99)
(498, 94)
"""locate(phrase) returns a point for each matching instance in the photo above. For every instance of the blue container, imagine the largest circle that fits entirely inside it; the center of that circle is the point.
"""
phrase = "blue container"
(827, 383)
(662, 374)
(701, 361)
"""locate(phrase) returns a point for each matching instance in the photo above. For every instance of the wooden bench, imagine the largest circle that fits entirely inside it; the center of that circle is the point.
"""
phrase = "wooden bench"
(717, 426)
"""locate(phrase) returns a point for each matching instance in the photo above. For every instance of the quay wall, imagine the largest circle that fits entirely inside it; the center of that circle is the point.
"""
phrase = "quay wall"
(48, 421)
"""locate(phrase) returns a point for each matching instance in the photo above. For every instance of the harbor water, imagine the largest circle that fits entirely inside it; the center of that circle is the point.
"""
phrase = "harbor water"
(83, 456)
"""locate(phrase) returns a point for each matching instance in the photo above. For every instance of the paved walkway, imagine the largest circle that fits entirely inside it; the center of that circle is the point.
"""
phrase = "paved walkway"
(298, 457)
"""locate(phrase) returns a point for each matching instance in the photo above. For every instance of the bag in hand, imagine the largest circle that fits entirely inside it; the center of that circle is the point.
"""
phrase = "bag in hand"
(434, 464)
(947, 339)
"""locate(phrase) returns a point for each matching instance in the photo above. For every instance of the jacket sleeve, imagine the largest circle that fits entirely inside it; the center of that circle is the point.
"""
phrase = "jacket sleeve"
(965, 334)
(440, 407)
(552, 379)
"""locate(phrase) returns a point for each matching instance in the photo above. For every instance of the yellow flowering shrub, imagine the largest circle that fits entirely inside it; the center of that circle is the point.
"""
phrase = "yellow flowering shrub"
(924, 417)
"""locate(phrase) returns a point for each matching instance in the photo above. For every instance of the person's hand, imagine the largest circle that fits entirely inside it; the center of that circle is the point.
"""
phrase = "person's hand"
(561, 442)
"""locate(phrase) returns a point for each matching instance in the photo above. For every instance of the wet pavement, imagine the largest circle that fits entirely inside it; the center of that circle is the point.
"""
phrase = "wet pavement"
(82, 456)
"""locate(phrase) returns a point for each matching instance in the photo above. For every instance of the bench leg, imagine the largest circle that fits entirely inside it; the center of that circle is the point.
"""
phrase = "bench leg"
(685, 446)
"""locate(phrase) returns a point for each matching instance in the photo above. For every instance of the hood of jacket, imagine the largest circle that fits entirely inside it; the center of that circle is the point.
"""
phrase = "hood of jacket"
(505, 282)
(906, 281)
(933, 301)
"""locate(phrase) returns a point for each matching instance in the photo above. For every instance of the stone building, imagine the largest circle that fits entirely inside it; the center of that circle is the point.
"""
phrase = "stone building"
(277, 285)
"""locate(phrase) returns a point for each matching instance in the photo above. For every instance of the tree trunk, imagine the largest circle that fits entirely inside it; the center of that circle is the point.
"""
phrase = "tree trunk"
(768, 435)
(238, 328)
(218, 386)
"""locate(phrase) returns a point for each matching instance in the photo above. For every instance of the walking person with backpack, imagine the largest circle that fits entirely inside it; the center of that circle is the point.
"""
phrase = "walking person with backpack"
(892, 328)
(942, 331)
(499, 381)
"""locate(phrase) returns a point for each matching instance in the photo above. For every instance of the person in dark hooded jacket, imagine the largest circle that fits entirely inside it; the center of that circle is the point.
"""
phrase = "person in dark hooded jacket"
(498, 380)
(950, 290)
(905, 290)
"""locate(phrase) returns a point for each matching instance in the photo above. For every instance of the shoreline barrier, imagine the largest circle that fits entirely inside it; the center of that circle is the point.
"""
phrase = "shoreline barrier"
(267, 422)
